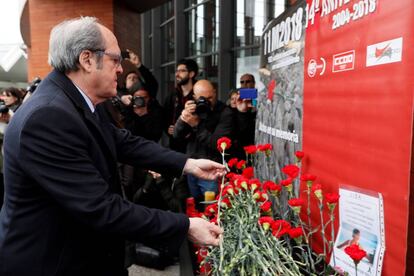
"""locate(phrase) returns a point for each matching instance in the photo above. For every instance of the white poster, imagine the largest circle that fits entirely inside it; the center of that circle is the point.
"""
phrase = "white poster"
(361, 222)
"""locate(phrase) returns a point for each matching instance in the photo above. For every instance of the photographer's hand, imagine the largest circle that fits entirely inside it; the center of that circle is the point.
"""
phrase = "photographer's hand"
(5, 117)
(190, 118)
(126, 99)
(134, 58)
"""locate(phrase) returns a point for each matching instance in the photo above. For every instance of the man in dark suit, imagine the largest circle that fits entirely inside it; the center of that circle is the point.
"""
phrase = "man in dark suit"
(63, 213)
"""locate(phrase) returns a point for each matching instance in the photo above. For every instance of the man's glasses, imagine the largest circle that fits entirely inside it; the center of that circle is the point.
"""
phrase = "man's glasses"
(117, 58)
(181, 70)
(245, 81)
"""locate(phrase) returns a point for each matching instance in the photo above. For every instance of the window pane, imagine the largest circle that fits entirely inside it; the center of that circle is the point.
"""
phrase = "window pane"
(168, 42)
(208, 68)
(167, 11)
(247, 61)
(252, 16)
(203, 24)
(168, 77)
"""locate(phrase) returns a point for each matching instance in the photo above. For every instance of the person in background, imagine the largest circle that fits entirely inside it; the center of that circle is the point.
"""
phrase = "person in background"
(185, 74)
(202, 122)
(247, 81)
(233, 96)
(63, 212)
(12, 98)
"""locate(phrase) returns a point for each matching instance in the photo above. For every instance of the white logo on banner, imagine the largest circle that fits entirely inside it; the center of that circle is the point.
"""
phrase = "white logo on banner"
(385, 52)
(343, 62)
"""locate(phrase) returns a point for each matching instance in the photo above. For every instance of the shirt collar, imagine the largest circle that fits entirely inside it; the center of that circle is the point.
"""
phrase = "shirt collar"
(88, 101)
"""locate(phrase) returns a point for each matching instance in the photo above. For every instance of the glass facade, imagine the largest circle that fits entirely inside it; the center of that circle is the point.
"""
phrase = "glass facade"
(223, 36)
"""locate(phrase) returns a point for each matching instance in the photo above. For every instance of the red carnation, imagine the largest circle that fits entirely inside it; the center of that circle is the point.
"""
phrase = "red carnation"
(229, 190)
(287, 183)
(223, 143)
(211, 210)
(225, 203)
(241, 164)
(332, 198)
(254, 184)
(280, 227)
(266, 222)
(260, 196)
(308, 177)
(291, 170)
(299, 155)
(355, 252)
(232, 162)
(250, 149)
(317, 190)
(271, 187)
(230, 176)
(248, 172)
(296, 204)
(295, 232)
(266, 206)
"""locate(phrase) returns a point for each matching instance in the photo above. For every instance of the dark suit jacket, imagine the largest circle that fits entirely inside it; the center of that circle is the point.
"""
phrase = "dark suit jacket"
(63, 214)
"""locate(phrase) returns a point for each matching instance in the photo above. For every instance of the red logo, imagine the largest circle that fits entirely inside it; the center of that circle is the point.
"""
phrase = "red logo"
(386, 51)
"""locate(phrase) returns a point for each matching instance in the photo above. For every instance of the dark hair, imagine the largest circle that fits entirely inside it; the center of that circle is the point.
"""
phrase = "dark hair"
(250, 75)
(15, 92)
(355, 232)
(191, 65)
(138, 86)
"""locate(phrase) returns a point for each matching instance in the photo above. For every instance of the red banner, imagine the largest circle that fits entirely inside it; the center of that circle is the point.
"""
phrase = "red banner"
(358, 105)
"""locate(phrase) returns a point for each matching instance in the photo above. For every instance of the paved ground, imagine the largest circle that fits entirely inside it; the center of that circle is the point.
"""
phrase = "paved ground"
(135, 270)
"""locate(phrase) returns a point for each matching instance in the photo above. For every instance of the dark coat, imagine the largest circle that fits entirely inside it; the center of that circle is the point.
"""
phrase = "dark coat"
(63, 213)
(202, 140)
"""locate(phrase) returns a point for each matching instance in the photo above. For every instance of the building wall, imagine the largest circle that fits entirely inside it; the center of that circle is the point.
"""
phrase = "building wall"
(44, 14)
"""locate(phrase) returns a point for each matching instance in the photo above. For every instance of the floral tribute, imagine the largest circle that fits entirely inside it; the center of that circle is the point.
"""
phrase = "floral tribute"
(267, 225)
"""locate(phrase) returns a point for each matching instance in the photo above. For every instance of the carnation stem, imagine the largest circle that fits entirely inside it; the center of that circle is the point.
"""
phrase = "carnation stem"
(308, 212)
(218, 216)
(322, 229)
(333, 237)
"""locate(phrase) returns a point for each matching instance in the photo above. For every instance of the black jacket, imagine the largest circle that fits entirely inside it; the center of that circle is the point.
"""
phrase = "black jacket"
(150, 125)
(63, 213)
(202, 140)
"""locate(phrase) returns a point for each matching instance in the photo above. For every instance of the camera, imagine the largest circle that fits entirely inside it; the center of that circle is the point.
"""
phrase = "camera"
(3, 108)
(33, 85)
(202, 107)
(138, 101)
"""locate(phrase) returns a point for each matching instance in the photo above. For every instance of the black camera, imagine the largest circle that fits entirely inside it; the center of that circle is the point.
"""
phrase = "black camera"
(138, 101)
(3, 108)
(33, 85)
(202, 107)
(117, 103)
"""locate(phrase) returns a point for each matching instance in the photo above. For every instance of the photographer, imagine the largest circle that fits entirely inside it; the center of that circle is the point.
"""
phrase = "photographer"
(202, 122)
(144, 115)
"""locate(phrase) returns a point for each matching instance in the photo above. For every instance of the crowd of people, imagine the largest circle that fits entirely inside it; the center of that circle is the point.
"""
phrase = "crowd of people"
(66, 148)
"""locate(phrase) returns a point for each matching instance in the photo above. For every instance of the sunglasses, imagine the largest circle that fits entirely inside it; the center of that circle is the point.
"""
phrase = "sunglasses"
(245, 81)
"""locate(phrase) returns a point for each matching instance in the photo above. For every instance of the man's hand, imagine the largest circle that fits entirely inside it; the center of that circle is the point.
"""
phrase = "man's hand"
(171, 130)
(205, 169)
(134, 58)
(5, 117)
(204, 233)
(126, 99)
(243, 105)
(190, 118)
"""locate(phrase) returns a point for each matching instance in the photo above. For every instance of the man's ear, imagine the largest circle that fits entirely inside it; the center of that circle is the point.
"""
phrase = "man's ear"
(191, 74)
(86, 60)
